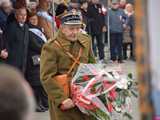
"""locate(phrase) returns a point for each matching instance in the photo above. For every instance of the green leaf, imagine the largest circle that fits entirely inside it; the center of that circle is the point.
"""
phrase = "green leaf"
(128, 116)
(130, 75)
(103, 98)
(134, 94)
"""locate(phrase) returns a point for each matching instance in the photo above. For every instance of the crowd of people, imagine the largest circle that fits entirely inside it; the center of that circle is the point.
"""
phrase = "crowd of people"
(25, 29)
(117, 21)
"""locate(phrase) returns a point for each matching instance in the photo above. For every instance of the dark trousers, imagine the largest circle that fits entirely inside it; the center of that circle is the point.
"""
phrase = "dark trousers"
(106, 38)
(125, 45)
(41, 96)
(100, 45)
(116, 46)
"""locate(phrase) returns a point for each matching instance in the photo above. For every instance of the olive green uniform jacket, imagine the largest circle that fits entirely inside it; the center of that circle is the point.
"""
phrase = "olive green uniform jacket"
(54, 62)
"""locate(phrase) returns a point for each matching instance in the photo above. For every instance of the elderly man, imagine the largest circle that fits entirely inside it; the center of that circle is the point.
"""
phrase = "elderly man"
(18, 38)
(16, 98)
(59, 60)
(5, 10)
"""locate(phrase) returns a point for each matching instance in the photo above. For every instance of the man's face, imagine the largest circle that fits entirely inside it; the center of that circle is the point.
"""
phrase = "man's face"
(129, 8)
(123, 2)
(21, 15)
(85, 5)
(7, 7)
(71, 31)
(115, 5)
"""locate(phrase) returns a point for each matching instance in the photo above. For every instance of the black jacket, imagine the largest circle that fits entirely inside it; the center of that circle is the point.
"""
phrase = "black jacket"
(1, 40)
(34, 51)
(97, 20)
(17, 38)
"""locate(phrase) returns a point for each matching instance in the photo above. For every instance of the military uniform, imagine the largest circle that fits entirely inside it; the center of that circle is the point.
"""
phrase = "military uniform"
(54, 62)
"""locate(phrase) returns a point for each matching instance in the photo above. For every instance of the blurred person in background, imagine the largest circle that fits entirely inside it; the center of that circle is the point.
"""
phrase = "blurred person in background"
(117, 20)
(17, 36)
(122, 4)
(85, 17)
(128, 37)
(61, 9)
(74, 5)
(16, 98)
(45, 20)
(13, 2)
(5, 10)
(97, 23)
(36, 41)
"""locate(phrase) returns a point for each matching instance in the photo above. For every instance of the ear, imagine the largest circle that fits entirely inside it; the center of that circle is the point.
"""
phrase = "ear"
(62, 28)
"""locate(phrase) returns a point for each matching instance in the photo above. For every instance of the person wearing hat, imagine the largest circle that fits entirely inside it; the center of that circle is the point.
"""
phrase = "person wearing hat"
(60, 58)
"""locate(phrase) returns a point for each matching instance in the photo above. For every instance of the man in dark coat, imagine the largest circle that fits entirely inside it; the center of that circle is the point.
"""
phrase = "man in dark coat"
(97, 26)
(5, 12)
(85, 18)
(18, 37)
(3, 51)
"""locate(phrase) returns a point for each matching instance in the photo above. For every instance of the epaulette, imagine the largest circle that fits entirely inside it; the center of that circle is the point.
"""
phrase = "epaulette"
(85, 34)
(51, 40)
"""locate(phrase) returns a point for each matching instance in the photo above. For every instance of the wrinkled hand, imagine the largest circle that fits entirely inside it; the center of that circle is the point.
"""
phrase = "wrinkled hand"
(4, 54)
(67, 104)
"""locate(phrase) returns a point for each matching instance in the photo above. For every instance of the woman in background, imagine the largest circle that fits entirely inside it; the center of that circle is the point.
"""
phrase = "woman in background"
(36, 41)
(128, 39)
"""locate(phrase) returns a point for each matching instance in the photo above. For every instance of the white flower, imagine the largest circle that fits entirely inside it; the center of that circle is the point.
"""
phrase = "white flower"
(122, 83)
(118, 109)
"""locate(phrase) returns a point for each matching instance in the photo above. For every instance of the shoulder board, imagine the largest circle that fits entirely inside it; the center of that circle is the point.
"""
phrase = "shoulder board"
(55, 37)
(51, 40)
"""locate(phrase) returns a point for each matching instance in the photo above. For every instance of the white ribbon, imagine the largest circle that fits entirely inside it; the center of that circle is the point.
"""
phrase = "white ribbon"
(38, 33)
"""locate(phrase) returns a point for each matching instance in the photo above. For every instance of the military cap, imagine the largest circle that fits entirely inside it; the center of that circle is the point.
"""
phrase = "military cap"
(71, 18)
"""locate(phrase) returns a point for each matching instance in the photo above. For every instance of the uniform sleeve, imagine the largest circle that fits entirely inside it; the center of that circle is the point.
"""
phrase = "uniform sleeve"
(48, 69)
(91, 55)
